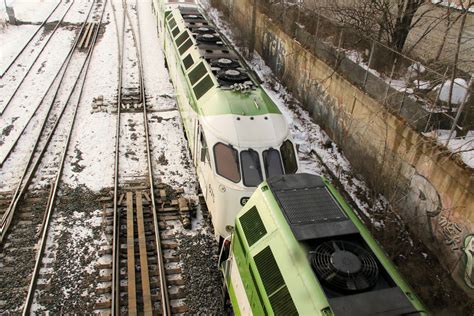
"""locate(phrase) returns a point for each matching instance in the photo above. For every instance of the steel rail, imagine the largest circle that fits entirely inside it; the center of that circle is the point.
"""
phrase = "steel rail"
(31, 38)
(115, 306)
(63, 65)
(165, 303)
(22, 186)
(36, 58)
(52, 199)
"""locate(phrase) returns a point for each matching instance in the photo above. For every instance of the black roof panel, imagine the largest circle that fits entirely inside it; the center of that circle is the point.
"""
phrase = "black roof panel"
(308, 206)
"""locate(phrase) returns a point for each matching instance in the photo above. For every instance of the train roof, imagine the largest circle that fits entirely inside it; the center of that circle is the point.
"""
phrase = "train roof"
(297, 228)
(220, 80)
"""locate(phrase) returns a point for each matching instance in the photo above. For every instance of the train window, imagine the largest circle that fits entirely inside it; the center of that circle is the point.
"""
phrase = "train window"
(188, 61)
(168, 15)
(251, 170)
(203, 86)
(175, 31)
(172, 23)
(227, 162)
(204, 151)
(289, 157)
(180, 40)
(272, 162)
(197, 73)
(183, 48)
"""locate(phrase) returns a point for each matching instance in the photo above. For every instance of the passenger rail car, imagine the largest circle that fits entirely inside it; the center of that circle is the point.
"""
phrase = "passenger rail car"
(236, 133)
(298, 249)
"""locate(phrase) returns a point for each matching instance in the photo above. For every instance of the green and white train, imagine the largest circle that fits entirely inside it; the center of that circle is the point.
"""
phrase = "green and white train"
(236, 133)
(299, 249)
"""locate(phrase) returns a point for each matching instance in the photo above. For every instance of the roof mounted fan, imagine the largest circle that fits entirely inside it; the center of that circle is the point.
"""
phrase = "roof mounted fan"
(208, 38)
(225, 63)
(192, 16)
(344, 266)
(233, 76)
(204, 30)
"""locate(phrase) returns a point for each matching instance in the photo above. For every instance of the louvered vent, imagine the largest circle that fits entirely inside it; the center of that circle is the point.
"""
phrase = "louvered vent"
(252, 226)
(278, 294)
(282, 304)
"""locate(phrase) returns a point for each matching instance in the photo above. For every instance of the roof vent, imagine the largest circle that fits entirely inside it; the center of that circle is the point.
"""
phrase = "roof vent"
(192, 16)
(225, 63)
(232, 75)
(344, 266)
(208, 38)
(204, 30)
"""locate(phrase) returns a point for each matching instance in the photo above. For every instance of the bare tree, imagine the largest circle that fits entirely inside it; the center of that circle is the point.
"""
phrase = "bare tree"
(389, 21)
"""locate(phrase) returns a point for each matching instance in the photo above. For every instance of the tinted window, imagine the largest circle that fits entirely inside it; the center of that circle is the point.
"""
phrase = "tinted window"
(183, 48)
(197, 73)
(172, 23)
(188, 61)
(227, 162)
(272, 163)
(251, 170)
(175, 31)
(180, 40)
(289, 157)
(203, 86)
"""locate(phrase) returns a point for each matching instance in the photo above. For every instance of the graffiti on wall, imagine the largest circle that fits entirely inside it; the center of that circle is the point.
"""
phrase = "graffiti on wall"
(274, 53)
(451, 231)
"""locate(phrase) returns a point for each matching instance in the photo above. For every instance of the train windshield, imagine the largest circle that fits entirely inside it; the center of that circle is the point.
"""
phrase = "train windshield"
(251, 169)
(227, 162)
(289, 157)
(272, 163)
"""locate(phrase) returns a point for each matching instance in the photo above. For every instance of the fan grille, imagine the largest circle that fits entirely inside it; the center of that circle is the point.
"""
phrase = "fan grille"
(345, 266)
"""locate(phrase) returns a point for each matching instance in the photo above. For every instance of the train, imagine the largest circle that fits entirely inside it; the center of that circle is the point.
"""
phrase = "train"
(289, 243)
(298, 249)
(236, 134)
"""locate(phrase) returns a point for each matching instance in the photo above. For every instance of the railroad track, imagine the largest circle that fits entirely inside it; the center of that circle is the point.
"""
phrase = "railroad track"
(143, 275)
(10, 64)
(46, 103)
(31, 208)
(23, 58)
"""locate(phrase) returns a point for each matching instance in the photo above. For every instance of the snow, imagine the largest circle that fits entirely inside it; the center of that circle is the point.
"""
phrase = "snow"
(421, 84)
(29, 10)
(460, 91)
(452, 4)
(399, 85)
(462, 145)
(13, 38)
(416, 69)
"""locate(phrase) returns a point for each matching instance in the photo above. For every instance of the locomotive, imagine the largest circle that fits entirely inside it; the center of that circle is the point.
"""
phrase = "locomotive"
(299, 249)
(236, 134)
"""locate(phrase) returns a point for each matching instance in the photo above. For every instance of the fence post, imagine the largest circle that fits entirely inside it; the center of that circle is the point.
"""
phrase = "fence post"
(390, 80)
(317, 27)
(338, 47)
(458, 115)
(253, 29)
(369, 63)
(437, 98)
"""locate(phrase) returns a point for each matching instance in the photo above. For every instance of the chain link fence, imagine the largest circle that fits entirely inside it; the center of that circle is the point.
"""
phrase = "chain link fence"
(420, 92)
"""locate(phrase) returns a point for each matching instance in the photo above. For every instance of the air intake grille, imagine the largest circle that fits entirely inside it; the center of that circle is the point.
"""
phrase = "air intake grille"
(268, 270)
(272, 280)
(252, 226)
(282, 304)
(309, 205)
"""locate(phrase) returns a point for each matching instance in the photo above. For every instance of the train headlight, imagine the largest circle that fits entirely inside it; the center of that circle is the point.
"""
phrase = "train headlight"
(222, 188)
(229, 228)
